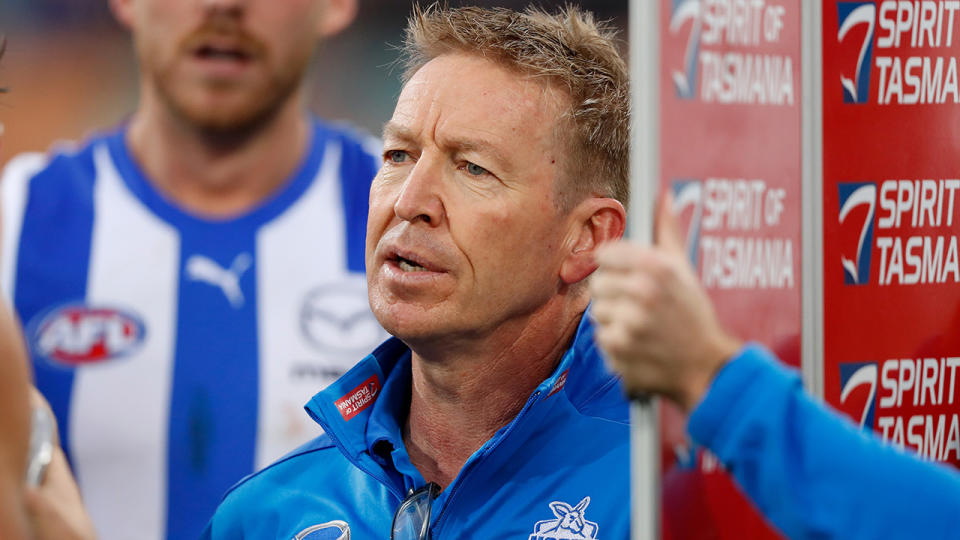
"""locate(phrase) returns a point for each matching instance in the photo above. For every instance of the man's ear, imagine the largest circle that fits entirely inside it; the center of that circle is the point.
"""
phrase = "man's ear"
(123, 12)
(337, 15)
(595, 221)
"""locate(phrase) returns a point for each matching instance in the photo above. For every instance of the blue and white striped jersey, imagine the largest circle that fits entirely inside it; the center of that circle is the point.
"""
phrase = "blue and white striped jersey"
(177, 351)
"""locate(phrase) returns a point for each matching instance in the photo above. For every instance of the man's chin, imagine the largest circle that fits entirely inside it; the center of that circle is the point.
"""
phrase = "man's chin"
(227, 111)
(223, 119)
(408, 323)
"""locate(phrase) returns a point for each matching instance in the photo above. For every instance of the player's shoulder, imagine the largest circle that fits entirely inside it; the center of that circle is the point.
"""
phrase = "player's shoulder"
(303, 465)
(64, 168)
(314, 483)
(355, 141)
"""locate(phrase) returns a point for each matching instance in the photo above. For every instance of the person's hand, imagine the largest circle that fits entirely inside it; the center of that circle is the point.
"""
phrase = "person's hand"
(54, 508)
(654, 321)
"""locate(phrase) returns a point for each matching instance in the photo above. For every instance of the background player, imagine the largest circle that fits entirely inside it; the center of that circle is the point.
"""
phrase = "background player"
(187, 281)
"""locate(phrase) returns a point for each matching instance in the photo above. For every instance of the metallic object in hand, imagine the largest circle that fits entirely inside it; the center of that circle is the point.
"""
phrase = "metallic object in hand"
(42, 441)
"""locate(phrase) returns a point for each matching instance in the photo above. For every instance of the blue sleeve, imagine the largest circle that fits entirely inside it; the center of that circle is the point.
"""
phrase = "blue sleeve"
(215, 528)
(810, 471)
(228, 520)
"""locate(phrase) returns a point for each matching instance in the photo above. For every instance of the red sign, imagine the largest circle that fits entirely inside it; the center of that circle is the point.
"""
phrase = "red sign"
(730, 153)
(891, 218)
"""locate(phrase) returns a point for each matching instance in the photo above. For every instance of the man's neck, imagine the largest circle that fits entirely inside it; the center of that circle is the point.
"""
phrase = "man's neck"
(459, 401)
(209, 176)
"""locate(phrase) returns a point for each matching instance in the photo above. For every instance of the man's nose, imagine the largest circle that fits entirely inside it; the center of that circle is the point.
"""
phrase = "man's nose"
(420, 198)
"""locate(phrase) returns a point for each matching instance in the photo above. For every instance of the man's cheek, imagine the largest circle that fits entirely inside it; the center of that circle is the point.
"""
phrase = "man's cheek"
(386, 187)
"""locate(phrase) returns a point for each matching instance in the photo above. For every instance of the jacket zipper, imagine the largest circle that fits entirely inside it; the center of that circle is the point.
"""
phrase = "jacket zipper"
(343, 450)
(472, 465)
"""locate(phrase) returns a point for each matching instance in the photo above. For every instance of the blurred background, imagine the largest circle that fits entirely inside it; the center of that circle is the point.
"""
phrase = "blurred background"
(70, 68)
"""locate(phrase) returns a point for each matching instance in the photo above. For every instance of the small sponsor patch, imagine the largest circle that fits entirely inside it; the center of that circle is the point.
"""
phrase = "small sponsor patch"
(77, 334)
(559, 384)
(359, 398)
(331, 530)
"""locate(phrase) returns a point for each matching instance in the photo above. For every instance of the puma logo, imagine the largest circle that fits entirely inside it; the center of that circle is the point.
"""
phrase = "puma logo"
(205, 269)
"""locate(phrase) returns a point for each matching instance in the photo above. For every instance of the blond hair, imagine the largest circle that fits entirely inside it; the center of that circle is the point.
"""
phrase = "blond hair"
(568, 49)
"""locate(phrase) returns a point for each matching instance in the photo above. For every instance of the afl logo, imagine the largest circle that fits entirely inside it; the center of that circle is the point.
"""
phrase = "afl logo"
(78, 335)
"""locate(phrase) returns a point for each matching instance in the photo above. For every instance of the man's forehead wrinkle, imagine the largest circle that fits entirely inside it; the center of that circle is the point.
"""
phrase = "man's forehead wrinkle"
(416, 94)
(394, 129)
(407, 117)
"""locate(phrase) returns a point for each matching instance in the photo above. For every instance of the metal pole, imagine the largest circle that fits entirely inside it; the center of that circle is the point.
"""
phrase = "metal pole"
(812, 196)
(644, 178)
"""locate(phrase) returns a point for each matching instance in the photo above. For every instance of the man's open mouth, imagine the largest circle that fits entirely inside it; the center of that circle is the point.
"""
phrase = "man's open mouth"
(211, 52)
(409, 266)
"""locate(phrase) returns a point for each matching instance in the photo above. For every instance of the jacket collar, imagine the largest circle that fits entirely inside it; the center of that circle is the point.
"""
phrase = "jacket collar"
(364, 410)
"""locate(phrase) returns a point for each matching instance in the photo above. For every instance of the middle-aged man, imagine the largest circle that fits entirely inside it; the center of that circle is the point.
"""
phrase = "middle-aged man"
(189, 279)
(491, 413)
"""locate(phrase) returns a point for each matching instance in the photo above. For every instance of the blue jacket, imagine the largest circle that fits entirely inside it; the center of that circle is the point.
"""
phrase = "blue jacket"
(811, 471)
(560, 467)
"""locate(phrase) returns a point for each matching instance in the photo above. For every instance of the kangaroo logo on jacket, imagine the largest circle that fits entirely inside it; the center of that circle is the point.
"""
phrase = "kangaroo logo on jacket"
(570, 523)
(331, 530)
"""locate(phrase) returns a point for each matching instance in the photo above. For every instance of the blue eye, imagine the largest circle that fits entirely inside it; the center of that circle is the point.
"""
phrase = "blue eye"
(475, 169)
(396, 156)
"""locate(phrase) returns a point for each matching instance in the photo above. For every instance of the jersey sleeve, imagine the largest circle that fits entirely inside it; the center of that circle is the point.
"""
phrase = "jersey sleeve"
(359, 166)
(14, 188)
(811, 472)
